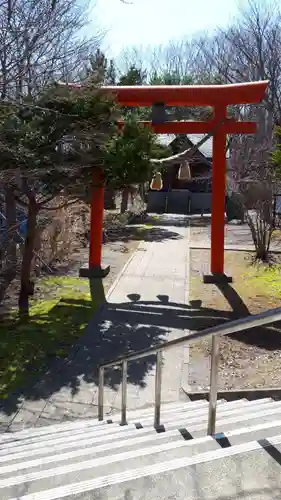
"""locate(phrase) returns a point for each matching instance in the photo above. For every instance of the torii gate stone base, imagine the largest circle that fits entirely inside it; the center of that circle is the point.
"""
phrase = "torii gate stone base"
(216, 96)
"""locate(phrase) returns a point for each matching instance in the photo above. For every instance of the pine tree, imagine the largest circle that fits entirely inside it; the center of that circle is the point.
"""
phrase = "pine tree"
(111, 73)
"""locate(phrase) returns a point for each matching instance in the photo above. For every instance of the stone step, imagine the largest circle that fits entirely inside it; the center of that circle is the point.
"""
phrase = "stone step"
(250, 471)
(110, 432)
(238, 435)
(90, 423)
(40, 475)
(122, 460)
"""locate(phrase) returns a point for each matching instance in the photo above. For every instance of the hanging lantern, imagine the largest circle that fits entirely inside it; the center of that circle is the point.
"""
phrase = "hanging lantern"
(184, 172)
(158, 115)
(156, 183)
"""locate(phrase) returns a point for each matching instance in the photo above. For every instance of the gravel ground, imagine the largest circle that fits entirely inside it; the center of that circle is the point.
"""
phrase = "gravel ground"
(237, 234)
(247, 360)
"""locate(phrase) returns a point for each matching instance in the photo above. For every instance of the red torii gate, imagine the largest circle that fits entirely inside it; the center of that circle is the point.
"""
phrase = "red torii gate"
(216, 96)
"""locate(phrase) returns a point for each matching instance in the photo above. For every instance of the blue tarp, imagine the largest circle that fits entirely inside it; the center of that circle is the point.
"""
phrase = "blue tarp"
(22, 221)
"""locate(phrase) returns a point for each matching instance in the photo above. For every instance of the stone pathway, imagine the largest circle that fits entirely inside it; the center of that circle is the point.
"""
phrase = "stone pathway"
(148, 304)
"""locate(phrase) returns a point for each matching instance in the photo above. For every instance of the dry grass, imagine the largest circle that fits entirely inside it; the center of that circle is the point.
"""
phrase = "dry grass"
(64, 235)
(276, 235)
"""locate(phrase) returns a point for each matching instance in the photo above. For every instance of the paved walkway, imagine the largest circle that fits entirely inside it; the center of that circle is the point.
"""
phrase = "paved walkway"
(146, 305)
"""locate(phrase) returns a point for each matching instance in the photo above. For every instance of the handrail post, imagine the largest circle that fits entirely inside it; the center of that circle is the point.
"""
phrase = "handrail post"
(124, 393)
(101, 392)
(213, 384)
(238, 325)
(158, 383)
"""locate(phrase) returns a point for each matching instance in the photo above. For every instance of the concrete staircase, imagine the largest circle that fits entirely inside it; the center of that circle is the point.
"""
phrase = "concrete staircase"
(93, 460)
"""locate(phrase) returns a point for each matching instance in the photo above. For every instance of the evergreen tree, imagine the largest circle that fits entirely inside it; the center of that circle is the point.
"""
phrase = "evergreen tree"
(98, 67)
(111, 73)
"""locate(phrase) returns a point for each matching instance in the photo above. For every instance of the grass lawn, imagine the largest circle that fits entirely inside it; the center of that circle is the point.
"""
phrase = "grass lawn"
(54, 326)
(259, 286)
(266, 278)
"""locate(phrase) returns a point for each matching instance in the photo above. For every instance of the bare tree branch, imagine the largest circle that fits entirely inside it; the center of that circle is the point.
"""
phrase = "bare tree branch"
(38, 45)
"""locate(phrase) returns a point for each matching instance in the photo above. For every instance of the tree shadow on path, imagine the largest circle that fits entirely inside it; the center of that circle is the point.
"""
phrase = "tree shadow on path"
(123, 328)
(140, 233)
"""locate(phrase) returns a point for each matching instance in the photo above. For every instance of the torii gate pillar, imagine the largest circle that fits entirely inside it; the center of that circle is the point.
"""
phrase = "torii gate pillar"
(95, 269)
(218, 201)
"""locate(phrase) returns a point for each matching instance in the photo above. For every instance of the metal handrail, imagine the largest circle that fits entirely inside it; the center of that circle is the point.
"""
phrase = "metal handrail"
(215, 332)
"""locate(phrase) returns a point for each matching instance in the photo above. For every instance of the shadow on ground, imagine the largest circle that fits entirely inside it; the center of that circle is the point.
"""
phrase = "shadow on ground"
(28, 348)
(198, 221)
(139, 233)
(168, 220)
(118, 329)
(264, 337)
(6, 278)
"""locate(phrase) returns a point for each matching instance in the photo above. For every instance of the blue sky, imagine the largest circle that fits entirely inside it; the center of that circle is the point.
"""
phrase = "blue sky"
(153, 22)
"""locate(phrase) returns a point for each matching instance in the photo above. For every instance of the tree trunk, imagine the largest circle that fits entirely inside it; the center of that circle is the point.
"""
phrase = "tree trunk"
(26, 285)
(143, 190)
(11, 215)
(109, 198)
(124, 201)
